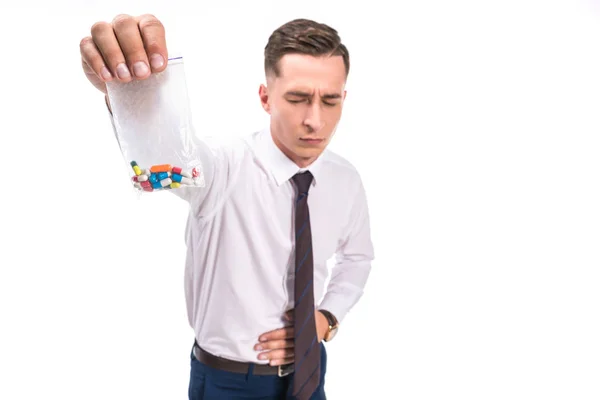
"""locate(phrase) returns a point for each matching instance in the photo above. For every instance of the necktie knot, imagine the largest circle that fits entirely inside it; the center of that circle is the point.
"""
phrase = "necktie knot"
(303, 181)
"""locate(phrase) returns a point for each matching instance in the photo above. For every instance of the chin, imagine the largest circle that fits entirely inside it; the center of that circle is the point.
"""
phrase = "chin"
(309, 153)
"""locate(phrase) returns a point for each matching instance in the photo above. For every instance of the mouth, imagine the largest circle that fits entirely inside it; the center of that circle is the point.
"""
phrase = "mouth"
(312, 140)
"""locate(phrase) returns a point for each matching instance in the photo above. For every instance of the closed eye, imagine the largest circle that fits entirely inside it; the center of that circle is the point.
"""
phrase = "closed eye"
(302, 101)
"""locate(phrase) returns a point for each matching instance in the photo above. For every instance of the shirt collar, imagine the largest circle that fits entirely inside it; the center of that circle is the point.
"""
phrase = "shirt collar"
(280, 166)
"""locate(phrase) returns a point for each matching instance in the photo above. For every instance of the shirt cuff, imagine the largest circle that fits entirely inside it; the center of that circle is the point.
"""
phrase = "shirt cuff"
(335, 304)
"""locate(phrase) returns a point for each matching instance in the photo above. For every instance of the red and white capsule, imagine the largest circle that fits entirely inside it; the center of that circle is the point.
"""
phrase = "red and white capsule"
(140, 178)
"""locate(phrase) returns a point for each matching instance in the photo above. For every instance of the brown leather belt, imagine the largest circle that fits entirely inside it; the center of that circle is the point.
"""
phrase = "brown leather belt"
(240, 367)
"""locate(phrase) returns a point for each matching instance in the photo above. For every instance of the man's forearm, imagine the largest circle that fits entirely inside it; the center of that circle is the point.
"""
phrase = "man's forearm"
(353, 261)
(345, 289)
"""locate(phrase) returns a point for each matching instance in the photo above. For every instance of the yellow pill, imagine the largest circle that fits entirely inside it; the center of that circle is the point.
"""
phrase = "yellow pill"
(137, 170)
(175, 185)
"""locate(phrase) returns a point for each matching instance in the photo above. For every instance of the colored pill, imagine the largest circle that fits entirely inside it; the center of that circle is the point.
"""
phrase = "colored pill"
(137, 185)
(133, 164)
(140, 178)
(176, 170)
(187, 181)
(195, 172)
(175, 185)
(176, 178)
(137, 170)
(156, 185)
(166, 182)
(153, 178)
(146, 184)
(148, 189)
(186, 174)
(162, 175)
(161, 168)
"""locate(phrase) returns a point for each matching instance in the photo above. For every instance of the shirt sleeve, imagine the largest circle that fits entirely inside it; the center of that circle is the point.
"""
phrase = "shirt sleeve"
(217, 163)
(352, 261)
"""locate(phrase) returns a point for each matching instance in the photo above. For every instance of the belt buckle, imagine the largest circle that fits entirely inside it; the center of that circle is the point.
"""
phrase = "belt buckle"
(284, 370)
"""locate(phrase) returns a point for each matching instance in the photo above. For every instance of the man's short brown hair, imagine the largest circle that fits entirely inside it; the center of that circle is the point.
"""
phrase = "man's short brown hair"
(303, 36)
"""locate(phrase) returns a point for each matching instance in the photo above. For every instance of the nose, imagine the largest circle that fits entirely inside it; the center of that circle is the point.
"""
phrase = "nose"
(314, 117)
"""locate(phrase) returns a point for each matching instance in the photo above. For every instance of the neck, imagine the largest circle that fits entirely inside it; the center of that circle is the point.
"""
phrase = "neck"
(303, 162)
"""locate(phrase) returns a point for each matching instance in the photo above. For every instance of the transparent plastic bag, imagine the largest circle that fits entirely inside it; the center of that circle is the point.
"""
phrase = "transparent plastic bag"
(153, 126)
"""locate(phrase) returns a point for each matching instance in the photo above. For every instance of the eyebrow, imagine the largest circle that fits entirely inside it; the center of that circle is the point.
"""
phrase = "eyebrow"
(306, 94)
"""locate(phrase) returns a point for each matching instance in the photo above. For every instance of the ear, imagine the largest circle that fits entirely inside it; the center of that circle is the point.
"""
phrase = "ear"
(263, 94)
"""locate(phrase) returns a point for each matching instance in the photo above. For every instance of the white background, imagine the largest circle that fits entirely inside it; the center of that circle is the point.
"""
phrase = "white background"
(474, 124)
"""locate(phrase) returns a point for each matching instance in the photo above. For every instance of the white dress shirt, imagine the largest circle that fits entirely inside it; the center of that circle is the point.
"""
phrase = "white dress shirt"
(239, 278)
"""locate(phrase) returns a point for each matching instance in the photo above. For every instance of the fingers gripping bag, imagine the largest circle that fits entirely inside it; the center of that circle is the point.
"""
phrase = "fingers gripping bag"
(153, 126)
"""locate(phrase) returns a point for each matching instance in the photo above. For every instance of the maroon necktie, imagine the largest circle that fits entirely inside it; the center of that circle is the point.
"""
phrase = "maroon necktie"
(307, 353)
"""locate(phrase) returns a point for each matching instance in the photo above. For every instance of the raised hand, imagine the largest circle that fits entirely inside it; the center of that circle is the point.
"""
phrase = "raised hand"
(125, 49)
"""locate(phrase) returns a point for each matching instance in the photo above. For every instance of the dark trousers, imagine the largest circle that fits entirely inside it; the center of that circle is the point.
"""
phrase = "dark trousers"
(207, 383)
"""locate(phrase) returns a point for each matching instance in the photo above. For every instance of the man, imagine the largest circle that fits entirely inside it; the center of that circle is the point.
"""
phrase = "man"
(277, 205)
